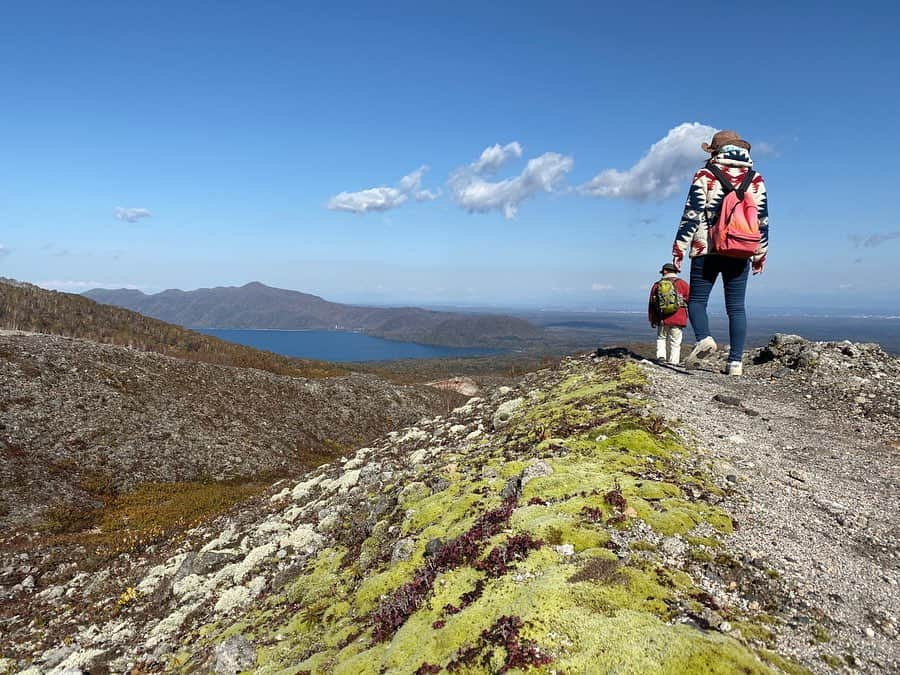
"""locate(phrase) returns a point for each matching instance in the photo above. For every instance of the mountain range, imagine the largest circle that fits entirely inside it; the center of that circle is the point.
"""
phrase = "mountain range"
(256, 305)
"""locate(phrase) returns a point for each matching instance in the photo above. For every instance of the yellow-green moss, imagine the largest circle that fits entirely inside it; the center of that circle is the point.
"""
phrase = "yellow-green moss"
(783, 664)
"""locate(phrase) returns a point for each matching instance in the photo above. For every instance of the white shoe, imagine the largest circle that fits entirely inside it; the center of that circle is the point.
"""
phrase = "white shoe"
(734, 368)
(701, 350)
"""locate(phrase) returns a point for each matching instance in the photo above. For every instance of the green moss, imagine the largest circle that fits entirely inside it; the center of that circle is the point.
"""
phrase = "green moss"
(701, 555)
(510, 469)
(820, 634)
(832, 661)
(653, 490)
(413, 494)
(783, 664)
(641, 545)
(556, 528)
(444, 509)
(373, 587)
(754, 632)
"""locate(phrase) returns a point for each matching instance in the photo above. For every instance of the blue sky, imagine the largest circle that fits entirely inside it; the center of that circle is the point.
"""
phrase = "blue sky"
(224, 131)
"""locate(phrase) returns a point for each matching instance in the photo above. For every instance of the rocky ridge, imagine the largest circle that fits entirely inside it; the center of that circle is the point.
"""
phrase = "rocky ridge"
(601, 516)
(558, 525)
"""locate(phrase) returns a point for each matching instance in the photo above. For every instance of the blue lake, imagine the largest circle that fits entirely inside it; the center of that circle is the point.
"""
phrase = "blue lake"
(326, 345)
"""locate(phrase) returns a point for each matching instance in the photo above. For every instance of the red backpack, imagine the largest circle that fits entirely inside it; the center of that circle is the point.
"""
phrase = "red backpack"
(736, 232)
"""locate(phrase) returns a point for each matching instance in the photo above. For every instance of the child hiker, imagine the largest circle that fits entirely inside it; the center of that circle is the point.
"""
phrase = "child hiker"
(667, 312)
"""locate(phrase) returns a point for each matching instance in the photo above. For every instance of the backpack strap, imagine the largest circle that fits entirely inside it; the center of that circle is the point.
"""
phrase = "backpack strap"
(725, 181)
(741, 189)
(720, 176)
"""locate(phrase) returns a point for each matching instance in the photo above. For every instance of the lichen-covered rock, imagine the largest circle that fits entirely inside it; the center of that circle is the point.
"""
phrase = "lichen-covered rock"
(505, 411)
(234, 655)
(536, 469)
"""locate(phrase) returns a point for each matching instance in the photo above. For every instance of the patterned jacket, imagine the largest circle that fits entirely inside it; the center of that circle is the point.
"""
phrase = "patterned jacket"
(705, 199)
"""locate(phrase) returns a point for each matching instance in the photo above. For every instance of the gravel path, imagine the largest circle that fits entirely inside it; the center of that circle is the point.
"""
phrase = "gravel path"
(816, 495)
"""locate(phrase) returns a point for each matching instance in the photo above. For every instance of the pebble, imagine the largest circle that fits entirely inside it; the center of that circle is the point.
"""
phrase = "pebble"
(869, 632)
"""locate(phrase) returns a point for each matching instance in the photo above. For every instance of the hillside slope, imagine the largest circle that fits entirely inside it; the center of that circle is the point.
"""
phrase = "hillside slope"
(81, 420)
(561, 525)
(256, 305)
(25, 307)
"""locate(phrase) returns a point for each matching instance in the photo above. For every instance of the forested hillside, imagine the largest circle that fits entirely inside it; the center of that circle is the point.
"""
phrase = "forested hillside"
(26, 307)
(256, 305)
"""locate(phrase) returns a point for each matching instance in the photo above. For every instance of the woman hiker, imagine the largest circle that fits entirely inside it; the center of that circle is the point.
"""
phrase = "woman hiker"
(730, 159)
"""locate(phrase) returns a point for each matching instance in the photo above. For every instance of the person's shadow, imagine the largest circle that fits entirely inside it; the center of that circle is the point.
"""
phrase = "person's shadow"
(638, 354)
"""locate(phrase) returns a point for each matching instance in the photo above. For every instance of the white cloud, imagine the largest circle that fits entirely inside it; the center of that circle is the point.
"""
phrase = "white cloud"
(427, 195)
(660, 173)
(475, 194)
(412, 181)
(78, 286)
(384, 198)
(373, 199)
(601, 287)
(130, 214)
(4, 251)
(495, 156)
(765, 149)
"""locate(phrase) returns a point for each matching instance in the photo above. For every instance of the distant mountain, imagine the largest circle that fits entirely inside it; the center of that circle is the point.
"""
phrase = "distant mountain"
(26, 307)
(256, 305)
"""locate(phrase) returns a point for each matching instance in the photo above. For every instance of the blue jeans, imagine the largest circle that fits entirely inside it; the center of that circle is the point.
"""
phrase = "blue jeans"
(705, 269)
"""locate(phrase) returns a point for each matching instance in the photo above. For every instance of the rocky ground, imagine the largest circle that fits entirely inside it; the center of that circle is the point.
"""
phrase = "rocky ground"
(604, 515)
(810, 437)
(79, 420)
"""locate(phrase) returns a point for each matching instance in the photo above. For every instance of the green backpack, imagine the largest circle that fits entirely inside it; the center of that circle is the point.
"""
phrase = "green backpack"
(667, 299)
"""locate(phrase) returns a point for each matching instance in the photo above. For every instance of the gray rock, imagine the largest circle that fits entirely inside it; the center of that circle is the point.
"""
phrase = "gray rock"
(210, 561)
(537, 469)
(488, 472)
(234, 655)
(712, 619)
(433, 546)
(403, 549)
(512, 489)
(505, 412)
(673, 546)
(725, 399)
(53, 657)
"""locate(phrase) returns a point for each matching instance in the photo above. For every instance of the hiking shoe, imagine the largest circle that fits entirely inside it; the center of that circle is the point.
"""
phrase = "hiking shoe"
(701, 350)
(734, 368)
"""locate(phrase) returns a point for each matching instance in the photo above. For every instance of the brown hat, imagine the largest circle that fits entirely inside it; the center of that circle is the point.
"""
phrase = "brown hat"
(723, 138)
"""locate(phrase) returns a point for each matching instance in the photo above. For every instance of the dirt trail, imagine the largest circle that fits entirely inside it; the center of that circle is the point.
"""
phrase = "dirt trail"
(813, 452)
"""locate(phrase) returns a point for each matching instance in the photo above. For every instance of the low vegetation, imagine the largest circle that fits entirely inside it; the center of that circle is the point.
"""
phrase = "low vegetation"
(149, 514)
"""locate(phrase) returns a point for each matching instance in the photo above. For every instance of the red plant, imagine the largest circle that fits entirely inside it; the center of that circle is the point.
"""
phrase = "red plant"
(520, 652)
(615, 498)
(466, 548)
(592, 514)
(497, 562)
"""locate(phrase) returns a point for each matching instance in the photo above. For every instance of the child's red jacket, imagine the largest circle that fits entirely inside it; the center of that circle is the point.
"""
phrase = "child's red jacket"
(679, 318)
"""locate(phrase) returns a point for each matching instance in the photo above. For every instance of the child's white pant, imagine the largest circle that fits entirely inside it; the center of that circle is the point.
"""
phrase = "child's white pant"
(668, 336)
